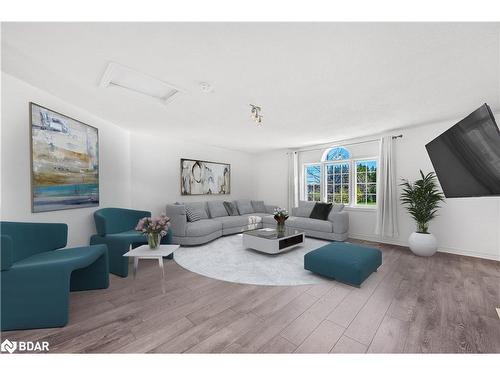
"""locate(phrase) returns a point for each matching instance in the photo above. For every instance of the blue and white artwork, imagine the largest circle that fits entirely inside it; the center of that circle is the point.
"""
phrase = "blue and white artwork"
(200, 177)
(65, 161)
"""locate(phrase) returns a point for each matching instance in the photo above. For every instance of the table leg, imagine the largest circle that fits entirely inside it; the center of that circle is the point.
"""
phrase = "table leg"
(160, 262)
(136, 265)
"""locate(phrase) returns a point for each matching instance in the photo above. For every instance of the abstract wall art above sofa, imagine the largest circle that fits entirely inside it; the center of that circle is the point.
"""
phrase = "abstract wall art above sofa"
(204, 177)
(64, 161)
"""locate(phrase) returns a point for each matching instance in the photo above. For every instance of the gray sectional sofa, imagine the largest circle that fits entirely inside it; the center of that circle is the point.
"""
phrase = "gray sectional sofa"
(216, 222)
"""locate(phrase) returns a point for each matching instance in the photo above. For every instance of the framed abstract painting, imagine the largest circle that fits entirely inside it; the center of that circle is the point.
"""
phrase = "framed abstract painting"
(199, 177)
(64, 161)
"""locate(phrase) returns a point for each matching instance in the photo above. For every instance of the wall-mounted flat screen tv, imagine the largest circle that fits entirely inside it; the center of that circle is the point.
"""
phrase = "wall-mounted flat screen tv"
(466, 157)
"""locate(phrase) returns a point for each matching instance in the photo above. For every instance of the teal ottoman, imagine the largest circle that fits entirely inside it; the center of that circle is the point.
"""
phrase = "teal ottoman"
(345, 262)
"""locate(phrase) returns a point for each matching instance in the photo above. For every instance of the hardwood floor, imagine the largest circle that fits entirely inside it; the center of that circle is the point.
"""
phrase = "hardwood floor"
(442, 304)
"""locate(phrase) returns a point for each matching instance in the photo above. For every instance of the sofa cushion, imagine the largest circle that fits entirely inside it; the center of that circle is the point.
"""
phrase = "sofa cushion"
(203, 227)
(258, 206)
(232, 221)
(244, 206)
(321, 211)
(305, 208)
(216, 209)
(336, 208)
(231, 208)
(199, 207)
(310, 224)
(193, 214)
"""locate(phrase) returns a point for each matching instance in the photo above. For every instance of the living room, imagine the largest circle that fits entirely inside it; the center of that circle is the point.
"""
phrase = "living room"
(250, 187)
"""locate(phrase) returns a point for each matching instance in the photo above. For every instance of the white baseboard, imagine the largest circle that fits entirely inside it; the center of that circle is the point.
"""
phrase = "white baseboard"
(449, 250)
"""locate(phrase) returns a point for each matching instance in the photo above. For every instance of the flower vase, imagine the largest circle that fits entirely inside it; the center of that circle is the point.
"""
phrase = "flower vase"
(154, 240)
(280, 227)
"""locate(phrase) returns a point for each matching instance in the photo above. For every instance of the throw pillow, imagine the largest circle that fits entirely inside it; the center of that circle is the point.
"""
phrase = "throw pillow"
(231, 209)
(321, 211)
(258, 206)
(244, 206)
(217, 209)
(305, 208)
(198, 206)
(193, 214)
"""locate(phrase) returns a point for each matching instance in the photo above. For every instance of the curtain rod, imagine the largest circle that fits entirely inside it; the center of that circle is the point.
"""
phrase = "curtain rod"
(325, 145)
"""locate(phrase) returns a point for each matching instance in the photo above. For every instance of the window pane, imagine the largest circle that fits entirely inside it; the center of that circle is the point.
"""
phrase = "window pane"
(337, 153)
(371, 188)
(360, 198)
(313, 174)
(361, 177)
(329, 198)
(371, 199)
(337, 178)
(345, 199)
(329, 189)
(345, 168)
(337, 198)
(360, 166)
(337, 188)
(345, 178)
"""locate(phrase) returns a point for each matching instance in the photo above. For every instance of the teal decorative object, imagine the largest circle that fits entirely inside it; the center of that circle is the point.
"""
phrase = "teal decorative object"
(345, 262)
(116, 229)
(37, 275)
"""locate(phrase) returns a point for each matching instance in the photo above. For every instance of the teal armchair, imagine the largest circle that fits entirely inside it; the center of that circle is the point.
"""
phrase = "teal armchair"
(116, 229)
(37, 275)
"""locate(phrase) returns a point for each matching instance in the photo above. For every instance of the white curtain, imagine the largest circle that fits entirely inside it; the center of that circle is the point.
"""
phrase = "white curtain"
(293, 180)
(387, 198)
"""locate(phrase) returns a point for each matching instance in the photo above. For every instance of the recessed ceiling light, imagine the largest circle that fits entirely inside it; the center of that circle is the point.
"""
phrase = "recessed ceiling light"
(130, 79)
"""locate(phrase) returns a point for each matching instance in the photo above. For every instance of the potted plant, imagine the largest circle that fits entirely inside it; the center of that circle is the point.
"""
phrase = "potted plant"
(154, 228)
(280, 215)
(422, 199)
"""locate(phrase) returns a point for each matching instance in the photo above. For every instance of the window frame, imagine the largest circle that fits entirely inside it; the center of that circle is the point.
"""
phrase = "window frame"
(304, 180)
(355, 181)
(324, 191)
(353, 178)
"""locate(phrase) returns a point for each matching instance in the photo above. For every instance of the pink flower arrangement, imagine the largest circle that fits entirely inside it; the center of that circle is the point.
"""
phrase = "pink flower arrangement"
(154, 225)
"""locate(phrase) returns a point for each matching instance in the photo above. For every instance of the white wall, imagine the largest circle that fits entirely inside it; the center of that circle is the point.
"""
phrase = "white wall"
(155, 163)
(114, 160)
(467, 226)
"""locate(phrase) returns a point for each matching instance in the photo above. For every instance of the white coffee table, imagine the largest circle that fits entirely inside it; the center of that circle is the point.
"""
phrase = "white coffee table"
(144, 252)
(270, 241)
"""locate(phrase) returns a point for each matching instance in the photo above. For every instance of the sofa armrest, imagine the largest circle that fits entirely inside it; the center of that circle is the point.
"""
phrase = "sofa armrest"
(6, 248)
(178, 220)
(340, 221)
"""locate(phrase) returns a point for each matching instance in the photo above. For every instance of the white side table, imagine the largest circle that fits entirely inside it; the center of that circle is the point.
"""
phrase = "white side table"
(144, 252)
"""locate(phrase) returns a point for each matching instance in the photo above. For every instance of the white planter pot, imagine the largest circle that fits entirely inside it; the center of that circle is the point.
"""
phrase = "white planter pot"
(422, 244)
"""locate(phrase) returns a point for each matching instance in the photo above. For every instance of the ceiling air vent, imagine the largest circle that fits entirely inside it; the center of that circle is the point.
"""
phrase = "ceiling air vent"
(130, 79)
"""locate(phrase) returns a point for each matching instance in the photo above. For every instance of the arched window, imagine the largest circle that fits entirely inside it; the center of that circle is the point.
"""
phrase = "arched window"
(335, 154)
(342, 177)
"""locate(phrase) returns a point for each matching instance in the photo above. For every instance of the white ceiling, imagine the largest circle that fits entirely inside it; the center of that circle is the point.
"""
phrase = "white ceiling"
(315, 82)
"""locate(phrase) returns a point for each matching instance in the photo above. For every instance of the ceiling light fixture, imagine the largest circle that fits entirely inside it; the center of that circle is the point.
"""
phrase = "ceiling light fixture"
(256, 114)
(130, 79)
(206, 87)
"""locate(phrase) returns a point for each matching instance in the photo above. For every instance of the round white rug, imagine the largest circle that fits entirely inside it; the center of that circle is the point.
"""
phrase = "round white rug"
(226, 259)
